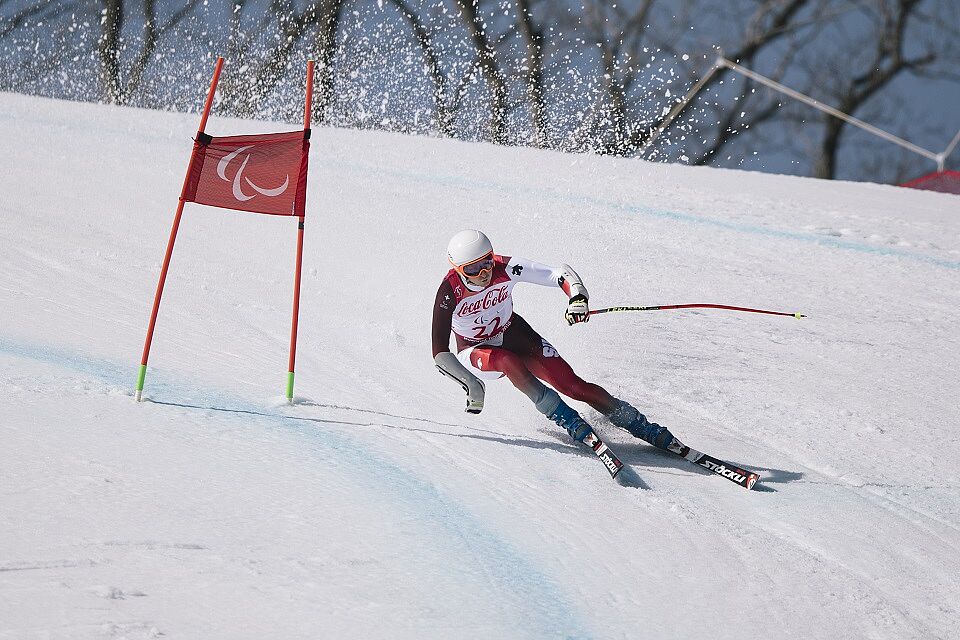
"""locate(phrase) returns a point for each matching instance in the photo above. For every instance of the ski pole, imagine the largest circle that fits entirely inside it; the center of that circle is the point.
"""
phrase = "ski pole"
(696, 306)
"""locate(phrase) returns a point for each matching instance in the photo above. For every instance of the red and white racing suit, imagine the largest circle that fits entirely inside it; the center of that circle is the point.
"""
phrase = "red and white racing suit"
(493, 341)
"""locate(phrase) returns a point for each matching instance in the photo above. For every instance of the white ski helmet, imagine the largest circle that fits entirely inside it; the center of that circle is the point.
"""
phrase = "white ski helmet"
(468, 246)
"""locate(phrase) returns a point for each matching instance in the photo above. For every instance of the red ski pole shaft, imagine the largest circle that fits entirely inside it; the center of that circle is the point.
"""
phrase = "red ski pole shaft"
(697, 306)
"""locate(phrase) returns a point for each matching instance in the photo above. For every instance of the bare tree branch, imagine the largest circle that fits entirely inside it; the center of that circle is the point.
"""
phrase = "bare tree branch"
(888, 62)
(109, 51)
(476, 28)
(422, 35)
(533, 38)
(151, 36)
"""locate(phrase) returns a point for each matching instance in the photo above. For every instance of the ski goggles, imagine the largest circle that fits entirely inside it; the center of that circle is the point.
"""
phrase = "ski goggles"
(477, 267)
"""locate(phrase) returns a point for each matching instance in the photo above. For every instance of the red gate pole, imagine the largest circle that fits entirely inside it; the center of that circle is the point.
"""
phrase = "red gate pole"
(296, 283)
(173, 236)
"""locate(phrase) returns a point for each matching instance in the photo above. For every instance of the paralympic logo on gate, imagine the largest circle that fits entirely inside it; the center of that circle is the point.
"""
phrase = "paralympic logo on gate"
(237, 191)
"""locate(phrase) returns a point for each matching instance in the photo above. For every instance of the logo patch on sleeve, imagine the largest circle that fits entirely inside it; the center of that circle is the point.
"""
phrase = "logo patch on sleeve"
(548, 350)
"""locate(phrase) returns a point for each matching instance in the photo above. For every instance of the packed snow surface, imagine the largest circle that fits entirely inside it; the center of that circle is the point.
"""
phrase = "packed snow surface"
(375, 507)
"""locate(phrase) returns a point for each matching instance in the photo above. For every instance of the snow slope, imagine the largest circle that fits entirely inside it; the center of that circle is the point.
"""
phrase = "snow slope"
(376, 508)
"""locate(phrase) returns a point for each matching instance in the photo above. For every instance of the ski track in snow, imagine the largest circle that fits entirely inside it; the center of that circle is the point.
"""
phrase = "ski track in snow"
(578, 200)
(506, 571)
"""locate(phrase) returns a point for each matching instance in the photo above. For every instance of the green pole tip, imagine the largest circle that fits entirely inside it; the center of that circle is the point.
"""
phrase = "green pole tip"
(140, 376)
(799, 315)
(290, 387)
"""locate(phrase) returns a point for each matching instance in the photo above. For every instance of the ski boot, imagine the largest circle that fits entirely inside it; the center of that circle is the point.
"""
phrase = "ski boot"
(627, 417)
(569, 419)
(560, 412)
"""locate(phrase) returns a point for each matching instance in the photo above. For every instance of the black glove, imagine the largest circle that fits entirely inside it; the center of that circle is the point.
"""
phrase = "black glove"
(578, 310)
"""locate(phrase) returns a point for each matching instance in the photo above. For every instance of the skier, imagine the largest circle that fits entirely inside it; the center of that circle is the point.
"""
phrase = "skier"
(475, 302)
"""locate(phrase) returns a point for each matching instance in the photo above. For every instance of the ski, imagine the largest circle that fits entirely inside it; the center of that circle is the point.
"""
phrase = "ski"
(607, 457)
(733, 473)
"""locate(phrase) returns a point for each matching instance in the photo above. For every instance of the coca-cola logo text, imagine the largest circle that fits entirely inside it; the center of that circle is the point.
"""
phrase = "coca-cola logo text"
(490, 299)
